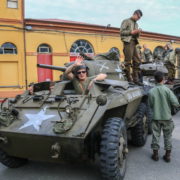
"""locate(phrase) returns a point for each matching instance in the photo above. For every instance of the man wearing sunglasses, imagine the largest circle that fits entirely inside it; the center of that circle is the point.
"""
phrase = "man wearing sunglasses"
(78, 73)
(129, 33)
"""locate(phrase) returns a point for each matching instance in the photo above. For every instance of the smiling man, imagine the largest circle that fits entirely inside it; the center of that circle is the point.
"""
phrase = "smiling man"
(78, 73)
(129, 33)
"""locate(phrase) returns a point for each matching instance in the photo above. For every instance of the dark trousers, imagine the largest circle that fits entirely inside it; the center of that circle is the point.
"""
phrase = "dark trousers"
(171, 71)
(131, 59)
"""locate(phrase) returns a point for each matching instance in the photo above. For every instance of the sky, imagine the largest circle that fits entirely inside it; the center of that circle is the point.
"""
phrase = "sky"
(160, 16)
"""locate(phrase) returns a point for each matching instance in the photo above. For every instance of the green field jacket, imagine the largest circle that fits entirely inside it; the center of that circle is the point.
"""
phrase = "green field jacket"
(161, 99)
(127, 26)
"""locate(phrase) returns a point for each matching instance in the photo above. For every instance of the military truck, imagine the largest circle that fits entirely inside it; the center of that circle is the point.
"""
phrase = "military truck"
(55, 124)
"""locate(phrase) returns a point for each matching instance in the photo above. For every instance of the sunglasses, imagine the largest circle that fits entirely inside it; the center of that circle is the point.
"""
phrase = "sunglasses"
(81, 72)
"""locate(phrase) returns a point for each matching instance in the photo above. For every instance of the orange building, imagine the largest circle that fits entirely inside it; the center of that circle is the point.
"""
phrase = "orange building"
(26, 42)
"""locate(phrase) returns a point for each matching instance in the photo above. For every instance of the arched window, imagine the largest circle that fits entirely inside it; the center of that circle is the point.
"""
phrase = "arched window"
(81, 46)
(115, 49)
(8, 48)
(44, 48)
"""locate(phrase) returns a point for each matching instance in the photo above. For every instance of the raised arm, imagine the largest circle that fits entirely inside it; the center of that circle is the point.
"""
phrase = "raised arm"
(78, 62)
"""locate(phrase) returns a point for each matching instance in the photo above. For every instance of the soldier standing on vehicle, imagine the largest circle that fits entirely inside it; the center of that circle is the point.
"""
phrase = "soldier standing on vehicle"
(78, 73)
(147, 54)
(129, 33)
(170, 61)
(161, 99)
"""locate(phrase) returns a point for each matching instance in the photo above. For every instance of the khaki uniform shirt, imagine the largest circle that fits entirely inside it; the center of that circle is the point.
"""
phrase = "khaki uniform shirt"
(127, 26)
(81, 86)
(147, 55)
(170, 57)
(161, 99)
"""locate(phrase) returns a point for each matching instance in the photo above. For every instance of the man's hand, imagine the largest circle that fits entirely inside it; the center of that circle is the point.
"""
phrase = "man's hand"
(79, 61)
(99, 77)
(136, 31)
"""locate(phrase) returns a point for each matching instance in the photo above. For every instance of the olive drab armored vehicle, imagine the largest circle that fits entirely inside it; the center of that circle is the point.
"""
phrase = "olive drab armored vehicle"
(148, 70)
(55, 124)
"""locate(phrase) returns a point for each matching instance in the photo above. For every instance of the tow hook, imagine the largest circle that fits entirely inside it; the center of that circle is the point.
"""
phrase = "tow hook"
(55, 150)
(3, 140)
(126, 150)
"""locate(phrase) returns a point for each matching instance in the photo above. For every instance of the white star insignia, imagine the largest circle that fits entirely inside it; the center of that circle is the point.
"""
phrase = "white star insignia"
(36, 120)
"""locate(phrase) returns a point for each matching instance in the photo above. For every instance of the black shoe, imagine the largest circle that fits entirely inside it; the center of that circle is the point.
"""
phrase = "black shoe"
(167, 156)
(155, 156)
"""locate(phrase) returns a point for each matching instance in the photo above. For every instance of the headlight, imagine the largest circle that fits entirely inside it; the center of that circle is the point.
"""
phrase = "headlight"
(101, 100)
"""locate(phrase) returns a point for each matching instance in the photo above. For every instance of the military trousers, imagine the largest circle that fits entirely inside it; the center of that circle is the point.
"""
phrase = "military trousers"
(167, 127)
(131, 59)
(171, 70)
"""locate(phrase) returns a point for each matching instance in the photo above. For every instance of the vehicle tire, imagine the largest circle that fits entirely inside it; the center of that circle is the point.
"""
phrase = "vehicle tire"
(113, 149)
(149, 119)
(11, 162)
(140, 131)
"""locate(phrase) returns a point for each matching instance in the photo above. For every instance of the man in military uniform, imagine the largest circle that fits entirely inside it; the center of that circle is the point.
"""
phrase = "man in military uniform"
(78, 73)
(177, 50)
(170, 61)
(129, 33)
(147, 54)
(161, 98)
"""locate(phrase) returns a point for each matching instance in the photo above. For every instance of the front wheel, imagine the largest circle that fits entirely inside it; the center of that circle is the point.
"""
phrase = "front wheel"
(113, 149)
(140, 131)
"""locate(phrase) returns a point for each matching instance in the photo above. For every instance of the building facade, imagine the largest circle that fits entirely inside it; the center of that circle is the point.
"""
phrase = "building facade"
(26, 42)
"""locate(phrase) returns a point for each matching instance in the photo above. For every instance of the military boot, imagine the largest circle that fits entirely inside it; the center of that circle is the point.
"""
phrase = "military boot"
(128, 76)
(155, 156)
(167, 156)
(136, 79)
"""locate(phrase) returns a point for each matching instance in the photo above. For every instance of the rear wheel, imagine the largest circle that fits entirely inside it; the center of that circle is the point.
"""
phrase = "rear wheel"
(113, 149)
(140, 131)
(11, 162)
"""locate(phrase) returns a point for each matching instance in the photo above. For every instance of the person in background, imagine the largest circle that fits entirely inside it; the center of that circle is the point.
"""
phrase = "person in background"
(147, 54)
(170, 62)
(161, 99)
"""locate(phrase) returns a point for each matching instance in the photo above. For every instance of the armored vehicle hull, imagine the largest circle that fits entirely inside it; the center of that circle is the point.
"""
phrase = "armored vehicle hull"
(55, 124)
